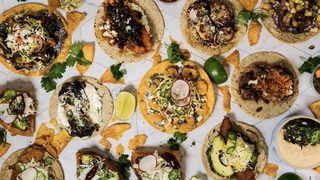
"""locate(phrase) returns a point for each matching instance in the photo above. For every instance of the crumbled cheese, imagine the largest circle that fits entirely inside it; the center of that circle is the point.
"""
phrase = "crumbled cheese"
(255, 82)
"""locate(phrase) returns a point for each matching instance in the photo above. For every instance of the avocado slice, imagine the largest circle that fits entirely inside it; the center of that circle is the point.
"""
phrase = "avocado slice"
(195, 178)
(19, 124)
(217, 145)
(85, 158)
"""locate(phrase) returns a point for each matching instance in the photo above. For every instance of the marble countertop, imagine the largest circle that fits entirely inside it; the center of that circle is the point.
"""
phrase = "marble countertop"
(190, 155)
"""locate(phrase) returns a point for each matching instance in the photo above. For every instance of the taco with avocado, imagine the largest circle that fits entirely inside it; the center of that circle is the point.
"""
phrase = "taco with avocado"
(18, 110)
(91, 165)
(210, 26)
(234, 151)
(265, 86)
(81, 105)
(291, 21)
(176, 97)
(31, 40)
(31, 163)
(129, 30)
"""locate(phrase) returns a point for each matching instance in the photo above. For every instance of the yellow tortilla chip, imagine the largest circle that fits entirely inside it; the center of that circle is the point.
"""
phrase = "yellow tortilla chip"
(186, 55)
(73, 19)
(248, 5)
(53, 122)
(157, 57)
(233, 59)
(51, 151)
(226, 98)
(107, 77)
(44, 135)
(317, 169)
(4, 149)
(115, 131)
(254, 32)
(114, 119)
(119, 150)
(315, 108)
(53, 5)
(106, 144)
(137, 141)
(60, 141)
(271, 170)
(88, 54)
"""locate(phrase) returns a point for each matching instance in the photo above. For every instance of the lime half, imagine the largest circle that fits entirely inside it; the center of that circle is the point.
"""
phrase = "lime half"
(125, 105)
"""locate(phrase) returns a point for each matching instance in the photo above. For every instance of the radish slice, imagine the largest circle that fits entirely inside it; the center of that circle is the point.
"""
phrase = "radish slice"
(29, 174)
(183, 102)
(148, 163)
(193, 15)
(4, 116)
(180, 89)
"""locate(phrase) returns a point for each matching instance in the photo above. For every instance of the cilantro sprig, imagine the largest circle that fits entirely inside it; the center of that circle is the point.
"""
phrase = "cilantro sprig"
(309, 64)
(123, 165)
(116, 72)
(173, 53)
(244, 16)
(57, 70)
(175, 141)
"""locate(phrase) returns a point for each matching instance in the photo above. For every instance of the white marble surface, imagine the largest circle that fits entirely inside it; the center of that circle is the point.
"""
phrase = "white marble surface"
(191, 155)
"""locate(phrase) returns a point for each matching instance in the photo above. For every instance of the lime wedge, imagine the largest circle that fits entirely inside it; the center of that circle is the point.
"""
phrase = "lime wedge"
(125, 105)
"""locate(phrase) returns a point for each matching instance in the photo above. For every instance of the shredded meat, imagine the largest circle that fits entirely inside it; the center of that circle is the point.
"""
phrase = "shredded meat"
(245, 175)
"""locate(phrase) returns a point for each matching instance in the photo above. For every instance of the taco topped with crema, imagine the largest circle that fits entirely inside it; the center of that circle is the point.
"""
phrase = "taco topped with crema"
(31, 163)
(129, 30)
(291, 21)
(210, 26)
(234, 151)
(265, 86)
(31, 40)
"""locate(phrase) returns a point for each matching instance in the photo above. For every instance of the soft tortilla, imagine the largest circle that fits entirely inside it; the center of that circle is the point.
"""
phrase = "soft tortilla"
(143, 87)
(286, 37)
(32, 9)
(5, 172)
(155, 21)
(107, 163)
(252, 133)
(188, 32)
(107, 103)
(261, 109)
(137, 154)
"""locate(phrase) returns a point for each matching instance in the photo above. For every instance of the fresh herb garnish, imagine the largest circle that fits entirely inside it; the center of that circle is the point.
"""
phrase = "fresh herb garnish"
(3, 137)
(193, 144)
(173, 53)
(309, 65)
(21, 0)
(174, 142)
(116, 72)
(244, 16)
(123, 165)
(57, 70)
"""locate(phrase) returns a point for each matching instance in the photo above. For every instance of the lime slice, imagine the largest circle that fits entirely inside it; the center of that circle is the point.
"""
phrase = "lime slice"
(125, 105)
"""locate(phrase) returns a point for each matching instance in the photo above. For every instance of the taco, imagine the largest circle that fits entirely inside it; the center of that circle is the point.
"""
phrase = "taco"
(176, 97)
(31, 163)
(158, 165)
(265, 86)
(291, 22)
(210, 27)
(31, 40)
(234, 151)
(96, 166)
(82, 106)
(129, 30)
(18, 111)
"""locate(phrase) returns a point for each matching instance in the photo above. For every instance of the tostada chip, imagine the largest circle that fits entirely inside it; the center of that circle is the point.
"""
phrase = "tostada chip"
(129, 30)
(291, 21)
(31, 163)
(265, 86)
(176, 97)
(18, 111)
(91, 165)
(82, 106)
(31, 40)
(210, 26)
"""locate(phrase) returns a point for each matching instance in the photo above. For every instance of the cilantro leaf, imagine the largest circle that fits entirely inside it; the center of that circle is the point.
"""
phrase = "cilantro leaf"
(116, 72)
(243, 17)
(75, 49)
(47, 83)
(255, 16)
(180, 136)
(3, 137)
(82, 61)
(174, 142)
(309, 65)
(123, 165)
(21, 0)
(173, 53)
(76, 55)
(71, 60)
(57, 70)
